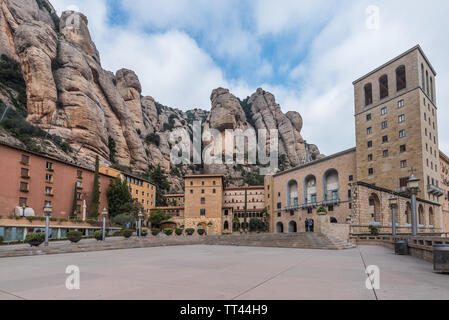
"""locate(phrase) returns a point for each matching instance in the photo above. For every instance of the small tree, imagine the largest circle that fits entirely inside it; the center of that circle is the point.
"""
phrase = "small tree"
(159, 178)
(118, 196)
(95, 202)
(157, 217)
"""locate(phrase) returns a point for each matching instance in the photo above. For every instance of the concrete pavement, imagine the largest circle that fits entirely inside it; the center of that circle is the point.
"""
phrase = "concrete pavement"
(219, 272)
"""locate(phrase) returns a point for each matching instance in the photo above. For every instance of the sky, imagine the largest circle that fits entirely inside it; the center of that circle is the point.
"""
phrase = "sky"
(307, 53)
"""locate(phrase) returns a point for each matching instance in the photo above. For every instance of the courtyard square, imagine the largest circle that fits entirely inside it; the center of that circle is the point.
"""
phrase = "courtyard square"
(222, 273)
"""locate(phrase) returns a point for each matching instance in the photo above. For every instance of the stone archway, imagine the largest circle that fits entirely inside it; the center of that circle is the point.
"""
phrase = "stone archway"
(279, 227)
(292, 227)
(375, 209)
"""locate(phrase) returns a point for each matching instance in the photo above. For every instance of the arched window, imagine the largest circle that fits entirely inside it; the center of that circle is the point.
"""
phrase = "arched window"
(383, 86)
(310, 191)
(431, 218)
(279, 227)
(226, 225)
(368, 94)
(331, 186)
(401, 79)
(421, 215)
(431, 89)
(292, 227)
(422, 78)
(408, 212)
(374, 208)
(292, 194)
(427, 83)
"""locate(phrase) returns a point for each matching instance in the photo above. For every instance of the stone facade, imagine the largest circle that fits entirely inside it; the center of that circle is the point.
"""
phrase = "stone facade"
(444, 171)
(296, 194)
(398, 132)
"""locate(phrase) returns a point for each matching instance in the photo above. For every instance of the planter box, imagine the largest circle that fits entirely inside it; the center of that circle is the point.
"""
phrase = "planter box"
(35, 243)
(441, 258)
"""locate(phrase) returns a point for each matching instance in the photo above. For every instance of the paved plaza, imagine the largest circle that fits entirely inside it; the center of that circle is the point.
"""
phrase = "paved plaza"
(223, 273)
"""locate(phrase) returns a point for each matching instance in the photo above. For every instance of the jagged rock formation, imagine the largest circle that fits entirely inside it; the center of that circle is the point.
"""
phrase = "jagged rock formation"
(71, 96)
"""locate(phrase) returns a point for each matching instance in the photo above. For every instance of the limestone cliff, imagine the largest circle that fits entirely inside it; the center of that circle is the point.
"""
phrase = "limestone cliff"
(93, 111)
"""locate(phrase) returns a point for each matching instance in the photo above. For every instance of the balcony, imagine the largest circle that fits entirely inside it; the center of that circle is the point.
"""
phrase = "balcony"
(434, 190)
(331, 198)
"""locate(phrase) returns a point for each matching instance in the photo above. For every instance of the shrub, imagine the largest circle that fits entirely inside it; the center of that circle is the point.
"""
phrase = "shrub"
(168, 231)
(374, 230)
(117, 234)
(98, 235)
(91, 221)
(155, 231)
(35, 238)
(127, 233)
(153, 138)
(74, 236)
(321, 210)
(190, 231)
(201, 232)
(178, 231)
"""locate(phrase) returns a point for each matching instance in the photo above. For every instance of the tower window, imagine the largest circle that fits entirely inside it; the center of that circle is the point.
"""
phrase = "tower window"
(403, 148)
(383, 86)
(370, 171)
(370, 157)
(385, 153)
(401, 103)
(384, 124)
(402, 134)
(370, 144)
(368, 117)
(369, 130)
(368, 94)
(383, 111)
(403, 164)
(385, 139)
(401, 118)
(401, 81)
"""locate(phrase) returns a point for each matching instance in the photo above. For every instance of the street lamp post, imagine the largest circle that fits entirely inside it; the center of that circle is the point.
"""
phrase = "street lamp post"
(413, 186)
(393, 204)
(104, 214)
(48, 209)
(139, 230)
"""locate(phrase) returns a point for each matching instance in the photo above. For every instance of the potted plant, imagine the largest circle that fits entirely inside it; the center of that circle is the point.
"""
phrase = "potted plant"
(178, 231)
(35, 239)
(168, 231)
(74, 236)
(155, 231)
(98, 235)
(201, 231)
(190, 231)
(321, 211)
(144, 232)
(374, 231)
(127, 233)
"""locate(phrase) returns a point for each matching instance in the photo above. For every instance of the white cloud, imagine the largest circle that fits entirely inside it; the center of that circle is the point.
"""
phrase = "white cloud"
(158, 43)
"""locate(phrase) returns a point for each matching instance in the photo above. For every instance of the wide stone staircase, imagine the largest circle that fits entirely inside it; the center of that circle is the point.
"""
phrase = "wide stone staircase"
(287, 240)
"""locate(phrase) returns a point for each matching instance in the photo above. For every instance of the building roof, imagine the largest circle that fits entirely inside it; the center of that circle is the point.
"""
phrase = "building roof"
(244, 188)
(49, 157)
(336, 155)
(417, 47)
(218, 175)
(444, 156)
(174, 195)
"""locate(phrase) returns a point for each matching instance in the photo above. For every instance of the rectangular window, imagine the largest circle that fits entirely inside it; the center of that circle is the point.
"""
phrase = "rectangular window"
(384, 124)
(49, 177)
(349, 194)
(403, 182)
(385, 139)
(402, 134)
(279, 205)
(351, 178)
(403, 164)
(403, 148)
(48, 191)
(22, 202)
(368, 117)
(383, 111)
(203, 200)
(385, 153)
(25, 173)
(369, 130)
(370, 144)
(400, 103)
(203, 212)
(25, 159)
(370, 157)
(49, 166)
(23, 186)
(79, 185)
(191, 191)
(78, 196)
(401, 118)
(370, 171)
